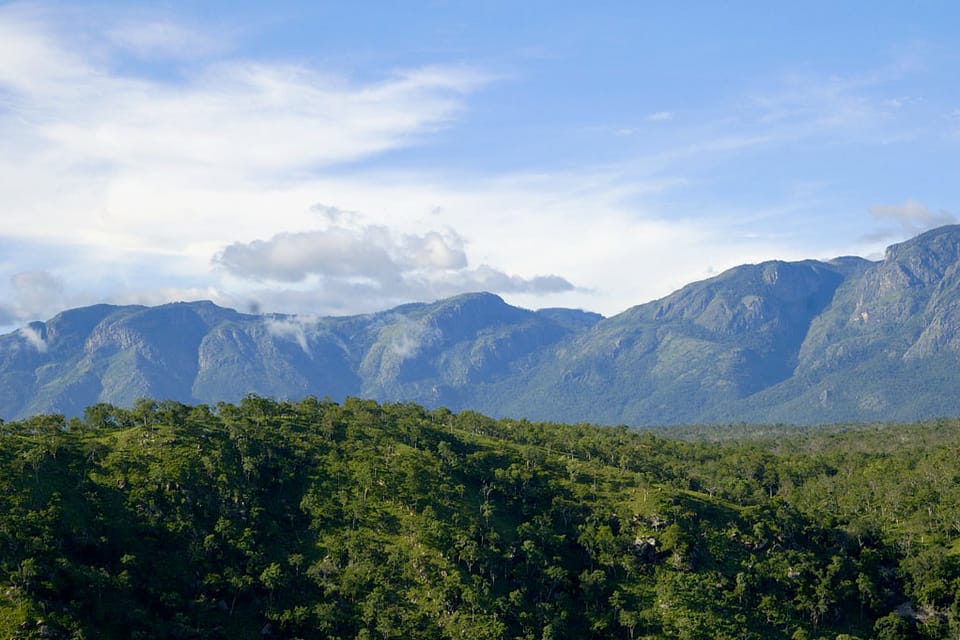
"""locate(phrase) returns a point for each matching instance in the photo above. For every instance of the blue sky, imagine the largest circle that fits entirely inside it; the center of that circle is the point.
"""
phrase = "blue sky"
(334, 158)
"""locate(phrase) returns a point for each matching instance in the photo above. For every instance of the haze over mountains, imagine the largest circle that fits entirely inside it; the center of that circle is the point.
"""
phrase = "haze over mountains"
(805, 342)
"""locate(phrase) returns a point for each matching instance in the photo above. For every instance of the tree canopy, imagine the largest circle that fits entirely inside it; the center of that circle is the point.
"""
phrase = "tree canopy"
(316, 519)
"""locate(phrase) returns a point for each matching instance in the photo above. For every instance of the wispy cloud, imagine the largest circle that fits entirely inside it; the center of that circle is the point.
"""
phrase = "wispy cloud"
(812, 103)
(405, 337)
(909, 218)
(297, 328)
(31, 294)
(33, 338)
(256, 119)
(65, 111)
(159, 38)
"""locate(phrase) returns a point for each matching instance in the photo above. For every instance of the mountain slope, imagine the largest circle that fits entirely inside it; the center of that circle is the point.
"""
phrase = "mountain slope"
(682, 358)
(198, 352)
(889, 344)
(809, 341)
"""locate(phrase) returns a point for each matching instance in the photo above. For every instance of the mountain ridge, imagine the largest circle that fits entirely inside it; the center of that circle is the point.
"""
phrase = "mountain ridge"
(847, 339)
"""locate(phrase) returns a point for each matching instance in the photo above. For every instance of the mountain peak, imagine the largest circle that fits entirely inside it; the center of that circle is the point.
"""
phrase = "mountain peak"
(476, 297)
(807, 341)
(943, 241)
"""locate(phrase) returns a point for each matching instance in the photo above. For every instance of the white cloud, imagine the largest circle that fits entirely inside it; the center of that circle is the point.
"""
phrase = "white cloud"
(31, 295)
(291, 257)
(434, 251)
(372, 252)
(129, 150)
(660, 116)
(297, 328)
(405, 337)
(911, 218)
(373, 263)
(913, 214)
(257, 119)
(33, 338)
(34, 63)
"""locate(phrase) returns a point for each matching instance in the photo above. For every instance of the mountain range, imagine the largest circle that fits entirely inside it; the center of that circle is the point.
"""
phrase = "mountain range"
(803, 342)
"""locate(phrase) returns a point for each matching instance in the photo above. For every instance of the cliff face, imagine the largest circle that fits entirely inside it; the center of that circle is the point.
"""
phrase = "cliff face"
(809, 341)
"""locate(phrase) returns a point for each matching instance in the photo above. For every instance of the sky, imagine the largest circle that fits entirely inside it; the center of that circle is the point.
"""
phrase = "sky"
(333, 158)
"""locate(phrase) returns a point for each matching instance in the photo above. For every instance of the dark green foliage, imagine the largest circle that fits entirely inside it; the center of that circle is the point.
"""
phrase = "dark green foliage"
(315, 519)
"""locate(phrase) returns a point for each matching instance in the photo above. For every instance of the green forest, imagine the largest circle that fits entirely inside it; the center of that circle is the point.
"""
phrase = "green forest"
(359, 520)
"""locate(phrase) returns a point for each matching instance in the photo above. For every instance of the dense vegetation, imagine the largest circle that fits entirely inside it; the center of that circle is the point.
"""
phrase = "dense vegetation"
(359, 520)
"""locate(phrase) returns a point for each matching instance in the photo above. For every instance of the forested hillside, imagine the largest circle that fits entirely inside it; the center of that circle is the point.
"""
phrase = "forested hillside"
(313, 519)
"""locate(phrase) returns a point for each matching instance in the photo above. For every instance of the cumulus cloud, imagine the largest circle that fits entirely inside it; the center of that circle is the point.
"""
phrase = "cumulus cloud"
(373, 261)
(372, 252)
(910, 218)
(291, 257)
